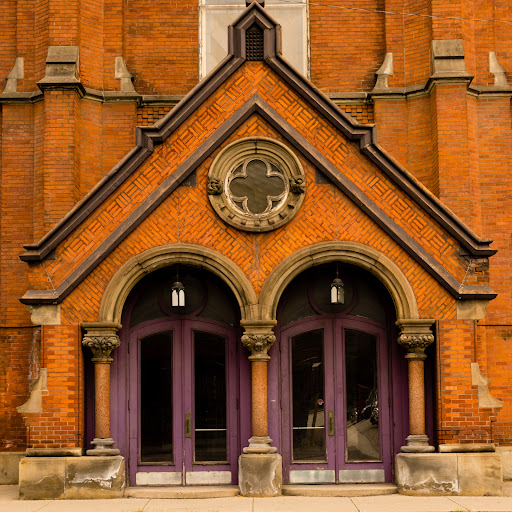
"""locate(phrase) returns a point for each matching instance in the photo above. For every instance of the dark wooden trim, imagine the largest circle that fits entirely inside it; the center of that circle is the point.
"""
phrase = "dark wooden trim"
(259, 106)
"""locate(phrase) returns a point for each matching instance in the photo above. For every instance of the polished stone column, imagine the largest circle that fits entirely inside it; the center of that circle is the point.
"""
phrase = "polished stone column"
(415, 336)
(259, 344)
(102, 339)
(260, 467)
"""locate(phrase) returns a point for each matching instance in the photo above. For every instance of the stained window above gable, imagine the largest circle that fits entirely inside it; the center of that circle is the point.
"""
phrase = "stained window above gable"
(217, 15)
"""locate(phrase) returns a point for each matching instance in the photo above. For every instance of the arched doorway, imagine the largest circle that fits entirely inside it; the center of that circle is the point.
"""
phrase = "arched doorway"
(339, 413)
(181, 392)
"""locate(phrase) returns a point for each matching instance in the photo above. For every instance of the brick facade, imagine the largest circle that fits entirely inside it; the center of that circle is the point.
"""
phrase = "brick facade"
(452, 134)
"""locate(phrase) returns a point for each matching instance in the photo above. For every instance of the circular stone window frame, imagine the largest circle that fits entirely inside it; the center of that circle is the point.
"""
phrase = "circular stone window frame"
(269, 151)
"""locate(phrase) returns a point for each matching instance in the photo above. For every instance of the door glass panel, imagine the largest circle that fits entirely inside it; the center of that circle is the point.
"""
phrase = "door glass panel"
(362, 399)
(210, 397)
(308, 397)
(156, 398)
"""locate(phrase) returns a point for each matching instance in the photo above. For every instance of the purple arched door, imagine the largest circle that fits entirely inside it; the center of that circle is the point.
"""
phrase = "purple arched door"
(183, 396)
(181, 384)
(335, 402)
(338, 400)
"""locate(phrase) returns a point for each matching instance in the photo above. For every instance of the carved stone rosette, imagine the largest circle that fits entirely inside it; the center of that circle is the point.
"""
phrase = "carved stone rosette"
(259, 345)
(102, 339)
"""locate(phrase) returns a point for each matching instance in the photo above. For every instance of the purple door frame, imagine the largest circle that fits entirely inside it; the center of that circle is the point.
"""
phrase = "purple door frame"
(126, 384)
(392, 384)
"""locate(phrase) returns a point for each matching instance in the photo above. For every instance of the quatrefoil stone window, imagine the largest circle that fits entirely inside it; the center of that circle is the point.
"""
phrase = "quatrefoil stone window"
(256, 184)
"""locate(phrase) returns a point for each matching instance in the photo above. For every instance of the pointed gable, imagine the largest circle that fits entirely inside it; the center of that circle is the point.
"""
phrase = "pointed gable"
(255, 91)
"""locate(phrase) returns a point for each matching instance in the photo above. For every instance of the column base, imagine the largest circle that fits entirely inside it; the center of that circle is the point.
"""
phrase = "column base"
(103, 447)
(260, 444)
(260, 475)
(417, 444)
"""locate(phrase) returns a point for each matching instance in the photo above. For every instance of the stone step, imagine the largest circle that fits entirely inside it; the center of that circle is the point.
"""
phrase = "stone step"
(192, 492)
(340, 490)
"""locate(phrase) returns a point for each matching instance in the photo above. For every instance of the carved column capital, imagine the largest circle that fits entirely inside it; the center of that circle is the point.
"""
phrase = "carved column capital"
(415, 336)
(102, 339)
(259, 345)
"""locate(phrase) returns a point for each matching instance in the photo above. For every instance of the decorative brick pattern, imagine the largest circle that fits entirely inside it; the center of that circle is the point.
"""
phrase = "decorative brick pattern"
(361, 113)
(149, 115)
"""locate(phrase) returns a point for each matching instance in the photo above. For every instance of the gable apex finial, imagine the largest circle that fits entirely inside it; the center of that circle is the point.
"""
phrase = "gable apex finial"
(249, 2)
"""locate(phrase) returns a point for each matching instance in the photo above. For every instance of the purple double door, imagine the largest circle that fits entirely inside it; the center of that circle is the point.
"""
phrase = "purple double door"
(183, 396)
(331, 403)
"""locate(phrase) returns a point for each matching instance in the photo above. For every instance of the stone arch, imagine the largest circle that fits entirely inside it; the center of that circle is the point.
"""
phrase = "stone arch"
(136, 268)
(348, 252)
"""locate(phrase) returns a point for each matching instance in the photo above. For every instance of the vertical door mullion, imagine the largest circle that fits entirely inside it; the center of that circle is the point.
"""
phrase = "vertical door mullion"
(133, 405)
(187, 390)
(286, 412)
(330, 394)
(232, 399)
(384, 403)
(341, 395)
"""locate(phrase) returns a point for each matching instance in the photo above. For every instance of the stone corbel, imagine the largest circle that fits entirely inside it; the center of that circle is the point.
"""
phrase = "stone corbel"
(17, 73)
(384, 72)
(448, 60)
(35, 402)
(122, 73)
(62, 70)
(485, 399)
(495, 68)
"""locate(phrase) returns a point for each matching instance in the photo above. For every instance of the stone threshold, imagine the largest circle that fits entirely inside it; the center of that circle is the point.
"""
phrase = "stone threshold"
(177, 492)
(345, 490)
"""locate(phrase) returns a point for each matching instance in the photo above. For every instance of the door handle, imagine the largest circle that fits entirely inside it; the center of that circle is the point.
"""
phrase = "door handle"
(331, 423)
(188, 426)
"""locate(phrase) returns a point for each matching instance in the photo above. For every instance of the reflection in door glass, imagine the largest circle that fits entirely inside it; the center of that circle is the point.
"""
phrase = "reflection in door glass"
(308, 397)
(156, 398)
(210, 397)
(362, 398)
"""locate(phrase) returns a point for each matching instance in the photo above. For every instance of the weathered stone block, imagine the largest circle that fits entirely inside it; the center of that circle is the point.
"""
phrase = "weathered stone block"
(427, 474)
(449, 474)
(71, 477)
(9, 467)
(98, 477)
(480, 474)
(260, 474)
(42, 478)
(506, 461)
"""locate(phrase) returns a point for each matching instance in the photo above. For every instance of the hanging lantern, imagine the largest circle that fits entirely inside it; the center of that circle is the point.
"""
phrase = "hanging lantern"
(337, 290)
(177, 294)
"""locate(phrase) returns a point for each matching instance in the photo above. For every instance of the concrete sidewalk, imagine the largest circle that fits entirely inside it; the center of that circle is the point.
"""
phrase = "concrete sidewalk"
(392, 503)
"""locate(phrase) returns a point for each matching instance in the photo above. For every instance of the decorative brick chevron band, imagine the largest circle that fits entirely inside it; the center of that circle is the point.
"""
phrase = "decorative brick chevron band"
(259, 345)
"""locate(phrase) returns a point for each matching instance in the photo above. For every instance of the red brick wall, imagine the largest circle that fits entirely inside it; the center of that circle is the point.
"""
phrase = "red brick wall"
(53, 152)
